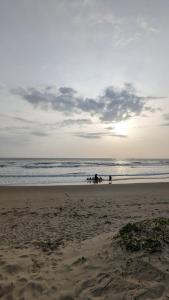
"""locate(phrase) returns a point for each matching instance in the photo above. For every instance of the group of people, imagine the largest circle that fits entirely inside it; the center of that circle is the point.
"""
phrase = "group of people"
(97, 179)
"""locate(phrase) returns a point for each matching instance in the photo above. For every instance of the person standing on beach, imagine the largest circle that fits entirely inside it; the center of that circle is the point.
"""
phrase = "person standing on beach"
(96, 178)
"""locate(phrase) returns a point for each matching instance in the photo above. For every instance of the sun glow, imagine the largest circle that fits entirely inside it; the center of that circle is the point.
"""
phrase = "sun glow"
(121, 128)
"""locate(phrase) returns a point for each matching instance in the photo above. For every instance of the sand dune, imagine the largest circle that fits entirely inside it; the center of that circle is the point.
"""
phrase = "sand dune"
(98, 269)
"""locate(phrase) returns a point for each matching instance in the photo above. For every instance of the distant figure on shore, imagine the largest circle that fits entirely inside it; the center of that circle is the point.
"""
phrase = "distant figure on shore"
(100, 179)
(89, 178)
(110, 179)
(96, 178)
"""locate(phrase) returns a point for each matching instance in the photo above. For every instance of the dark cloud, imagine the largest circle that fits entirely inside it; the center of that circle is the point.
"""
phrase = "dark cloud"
(109, 128)
(113, 105)
(70, 122)
(90, 135)
(4, 116)
(67, 90)
(39, 133)
(118, 135)
(97, 135)
(64, 100)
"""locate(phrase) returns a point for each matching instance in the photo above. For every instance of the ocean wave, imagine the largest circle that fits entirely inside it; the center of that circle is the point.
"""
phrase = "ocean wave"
(94, 164)
(49, 166)
(38, 167)
(77, 163)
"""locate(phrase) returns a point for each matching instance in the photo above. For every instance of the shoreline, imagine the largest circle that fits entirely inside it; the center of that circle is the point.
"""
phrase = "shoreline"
(115, 181)
(83, 185)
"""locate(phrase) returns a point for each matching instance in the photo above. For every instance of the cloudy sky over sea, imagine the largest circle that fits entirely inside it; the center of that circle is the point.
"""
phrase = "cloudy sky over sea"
(84, 78)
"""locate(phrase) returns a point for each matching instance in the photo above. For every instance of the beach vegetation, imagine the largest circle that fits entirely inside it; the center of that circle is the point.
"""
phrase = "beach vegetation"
(148, 235)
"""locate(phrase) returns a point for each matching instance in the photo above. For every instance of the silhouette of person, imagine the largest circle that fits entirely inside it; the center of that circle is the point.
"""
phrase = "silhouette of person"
(96, 179)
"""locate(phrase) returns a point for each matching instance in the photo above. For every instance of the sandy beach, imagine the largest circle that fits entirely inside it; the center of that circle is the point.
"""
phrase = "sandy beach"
(57, 242)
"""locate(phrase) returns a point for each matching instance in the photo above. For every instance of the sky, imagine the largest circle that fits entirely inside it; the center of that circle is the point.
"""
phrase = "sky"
(84, 78)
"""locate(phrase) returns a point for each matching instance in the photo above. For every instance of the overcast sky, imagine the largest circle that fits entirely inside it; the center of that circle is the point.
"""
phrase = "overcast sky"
(84, 78)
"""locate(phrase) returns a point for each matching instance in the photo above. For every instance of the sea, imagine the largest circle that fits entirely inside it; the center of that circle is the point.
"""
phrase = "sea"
(43, 171)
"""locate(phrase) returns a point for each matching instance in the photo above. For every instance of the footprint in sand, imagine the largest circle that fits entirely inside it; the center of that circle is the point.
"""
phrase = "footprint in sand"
(80, 261)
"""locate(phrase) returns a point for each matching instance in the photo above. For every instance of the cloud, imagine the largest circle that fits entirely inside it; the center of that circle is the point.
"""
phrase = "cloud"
(4, 116)
(23, 130)
(113, 105)
(70, 122)
(64, 123)
(39, 133)
(165, 124)
(64, 99)
(119, 23)
(97, 135)
(121, 41)
(127, 32)
(122, 31)
(13, 128)
(24, 127)
(100, 18)
(50, 127)
(166, 118)
(120, 104)
(146, 26)
(109, 128)
(67, 91)
(90, 135)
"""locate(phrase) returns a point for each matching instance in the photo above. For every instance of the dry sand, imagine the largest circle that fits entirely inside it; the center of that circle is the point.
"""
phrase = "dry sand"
(58, 243)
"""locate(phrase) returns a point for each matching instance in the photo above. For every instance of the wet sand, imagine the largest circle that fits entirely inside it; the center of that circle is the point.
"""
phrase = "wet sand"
(57, 242)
